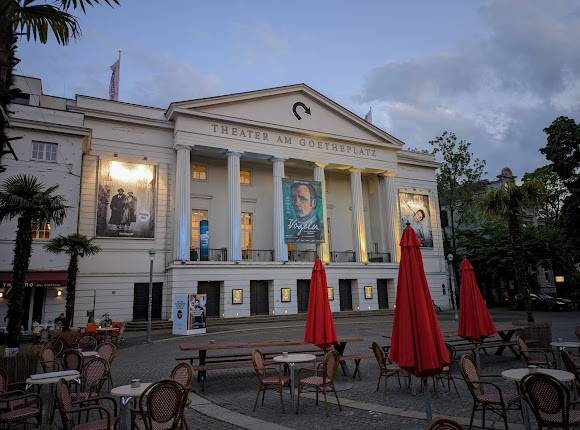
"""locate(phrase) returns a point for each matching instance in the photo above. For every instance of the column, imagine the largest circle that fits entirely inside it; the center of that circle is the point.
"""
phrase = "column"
(384, 215)
(324, 248)
(393, 229)
(358, 216)
(280, 247)
(234, 207)
(183, 203)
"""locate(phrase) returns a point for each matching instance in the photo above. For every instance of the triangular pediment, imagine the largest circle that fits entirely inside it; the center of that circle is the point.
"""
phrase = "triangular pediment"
(295, 107)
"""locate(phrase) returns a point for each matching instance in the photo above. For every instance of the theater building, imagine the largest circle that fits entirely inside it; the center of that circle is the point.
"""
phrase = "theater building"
(209, 183)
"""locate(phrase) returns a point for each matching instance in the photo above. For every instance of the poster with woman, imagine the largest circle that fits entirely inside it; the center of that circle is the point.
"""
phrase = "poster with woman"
(126, 200)
(303, 221)
(414, 210)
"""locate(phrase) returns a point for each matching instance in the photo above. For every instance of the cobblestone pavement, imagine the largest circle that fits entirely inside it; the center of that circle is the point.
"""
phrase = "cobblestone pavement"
(235, 389)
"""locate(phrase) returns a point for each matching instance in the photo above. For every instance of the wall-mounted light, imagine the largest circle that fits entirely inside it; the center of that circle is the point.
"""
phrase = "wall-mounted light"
(559, 279)
(1, 294)
(58, 293)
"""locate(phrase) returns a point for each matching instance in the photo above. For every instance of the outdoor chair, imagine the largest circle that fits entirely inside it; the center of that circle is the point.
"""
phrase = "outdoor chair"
(72, 359)
(276, 381)
(320, 380)
(88, 343)
(536, 356)
(487, 396)
(444, 424)
(183, 373)
(17, 407)
(72, 411)
(386, 368)
(117, 335)
(447, 371)
(106, 350)
(48, 359)
(550, 402)
(577, 332)
(572, 368)
(160, 407)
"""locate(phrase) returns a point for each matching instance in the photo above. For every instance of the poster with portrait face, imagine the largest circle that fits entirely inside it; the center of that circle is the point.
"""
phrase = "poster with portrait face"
(303, 220)
(126, 200)
(415, 211)
(197, 313)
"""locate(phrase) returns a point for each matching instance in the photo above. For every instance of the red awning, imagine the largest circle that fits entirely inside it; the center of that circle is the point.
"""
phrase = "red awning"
(37, 279)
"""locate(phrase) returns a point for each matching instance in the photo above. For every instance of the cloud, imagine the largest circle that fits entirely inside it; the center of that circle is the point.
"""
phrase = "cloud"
(499, 91)
(259, 43)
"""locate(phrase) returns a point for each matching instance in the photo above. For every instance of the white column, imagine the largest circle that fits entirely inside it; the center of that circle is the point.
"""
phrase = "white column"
(183, 203)
(358, 216)
(280, 247)
(384, 215)
(324, 248)
(234, 207)
(393, 229)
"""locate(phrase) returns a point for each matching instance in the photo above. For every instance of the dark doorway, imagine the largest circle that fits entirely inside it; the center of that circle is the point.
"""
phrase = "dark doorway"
(212, 289)
(383, 293)
(38, 304)
(303, 291)
(141, 301)
(259, 304)
(345, 290)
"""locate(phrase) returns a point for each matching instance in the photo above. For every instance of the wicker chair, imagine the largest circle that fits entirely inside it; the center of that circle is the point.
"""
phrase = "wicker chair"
(277, 382)
(487, 396)
(17, 406)
(117, 335)
(536, 356)
(550, 402)
(444, 424)
(447, 371)
(87, 343)
(72, 359)
(572, 368)
(48, 359)
(386, 368)
(321, 379)
(161, 407)
(71, 411)
(107, 350)
(183, 373)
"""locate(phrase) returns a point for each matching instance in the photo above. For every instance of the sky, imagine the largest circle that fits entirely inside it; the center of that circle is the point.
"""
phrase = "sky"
(495, 72)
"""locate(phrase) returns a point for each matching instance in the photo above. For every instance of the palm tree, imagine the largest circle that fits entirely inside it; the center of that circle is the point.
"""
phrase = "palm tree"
(510, 203)
(25, 198)
(75, 245)
(34, 19)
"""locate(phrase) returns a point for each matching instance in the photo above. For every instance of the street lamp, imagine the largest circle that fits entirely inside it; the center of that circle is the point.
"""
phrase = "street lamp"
(452, 295)
(149, 304)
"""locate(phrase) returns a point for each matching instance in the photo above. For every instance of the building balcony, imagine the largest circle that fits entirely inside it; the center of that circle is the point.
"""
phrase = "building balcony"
(342, 257)
(257, 254)
(213, 254)
(379, 257)
(301, 256)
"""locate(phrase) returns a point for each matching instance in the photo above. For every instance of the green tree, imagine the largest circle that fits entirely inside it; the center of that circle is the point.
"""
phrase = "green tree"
(552, 194)
(457, 175)
(36, 20)
(25, 198)
(510, 204)
(75, 246)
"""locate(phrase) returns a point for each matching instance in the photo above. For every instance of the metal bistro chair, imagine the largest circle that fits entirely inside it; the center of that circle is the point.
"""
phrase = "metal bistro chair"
(277, 382)
(572, 368)
(107, 350)
(161, 407)
(72, 359)
(17, 406)
(536, 356)
(444, 424)
(493, 399)
(321, 380)
(386, 368)
(87, 343)
(48, 359)
(550, 402)
(447, 372)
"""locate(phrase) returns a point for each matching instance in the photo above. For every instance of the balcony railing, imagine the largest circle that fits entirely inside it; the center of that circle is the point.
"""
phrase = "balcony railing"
(258, 254)
(213, 254)
(379, 257)
(298, 256)
(342, 257)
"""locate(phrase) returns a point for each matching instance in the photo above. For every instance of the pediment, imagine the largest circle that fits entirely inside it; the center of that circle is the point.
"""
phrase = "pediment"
(295, 108)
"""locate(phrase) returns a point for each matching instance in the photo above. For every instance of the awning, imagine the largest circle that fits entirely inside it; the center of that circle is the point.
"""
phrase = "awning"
(37, 279)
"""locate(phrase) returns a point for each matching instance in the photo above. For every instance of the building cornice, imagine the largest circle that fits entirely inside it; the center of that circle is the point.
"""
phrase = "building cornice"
(124, 118)
(417, 159)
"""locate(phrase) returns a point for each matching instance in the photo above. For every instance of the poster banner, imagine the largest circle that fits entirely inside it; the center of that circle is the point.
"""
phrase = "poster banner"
(414, 210)
(126, 200)
(197, 303)
(180, 313)
(189, 313)
(204, 240)
(303, 220)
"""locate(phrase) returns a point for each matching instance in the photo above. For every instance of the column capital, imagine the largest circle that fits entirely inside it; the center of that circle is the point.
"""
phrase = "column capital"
(319, 164)
(180, 146)
(355, 170)
(278, 159)
(233, 154)
(387, 174)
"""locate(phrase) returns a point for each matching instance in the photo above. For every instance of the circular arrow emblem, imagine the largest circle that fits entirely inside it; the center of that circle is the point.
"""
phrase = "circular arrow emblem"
(295, 107)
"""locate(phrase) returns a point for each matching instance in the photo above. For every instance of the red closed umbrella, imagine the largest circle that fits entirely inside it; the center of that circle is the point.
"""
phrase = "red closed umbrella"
(319, 323)
(474, 319)
(417, 344)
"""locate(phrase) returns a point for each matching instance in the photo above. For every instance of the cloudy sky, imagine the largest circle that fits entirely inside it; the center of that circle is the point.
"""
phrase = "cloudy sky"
(495, 72)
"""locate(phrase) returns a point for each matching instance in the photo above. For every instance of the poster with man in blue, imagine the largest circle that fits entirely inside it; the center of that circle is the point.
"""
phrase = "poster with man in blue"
(303, 218)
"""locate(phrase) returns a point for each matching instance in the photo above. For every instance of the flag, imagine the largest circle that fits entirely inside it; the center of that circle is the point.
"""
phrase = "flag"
(369, 116)
(114, 84)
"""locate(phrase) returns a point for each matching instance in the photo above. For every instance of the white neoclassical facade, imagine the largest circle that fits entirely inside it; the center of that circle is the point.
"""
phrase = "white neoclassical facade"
(222, 160)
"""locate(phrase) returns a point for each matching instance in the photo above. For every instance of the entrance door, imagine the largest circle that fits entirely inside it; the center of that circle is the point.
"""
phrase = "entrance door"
(303, 291)
(259, 304)
(38, 304)
(344, 287)
(141, 301)
(383, 294)
(212, 289)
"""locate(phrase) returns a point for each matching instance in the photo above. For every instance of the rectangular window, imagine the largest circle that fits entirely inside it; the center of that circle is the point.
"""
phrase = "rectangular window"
(199, 172)
(44, 151)
(246, 176)
(197, 215)
(246, 230)
(40, 230)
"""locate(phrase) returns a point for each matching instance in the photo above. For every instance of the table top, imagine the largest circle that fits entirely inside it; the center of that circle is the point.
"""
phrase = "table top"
(294, 358)
(90, 353)
(54, 380)
(252, 345)
(108, 329)
(127, 391)
(518, 374)
(565, 344)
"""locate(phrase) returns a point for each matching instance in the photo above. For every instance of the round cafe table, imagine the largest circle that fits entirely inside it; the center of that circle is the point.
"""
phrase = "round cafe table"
(127, 394)
(291, 360)
(89, 353)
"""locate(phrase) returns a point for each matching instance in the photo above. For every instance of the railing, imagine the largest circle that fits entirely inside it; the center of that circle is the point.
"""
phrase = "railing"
(301, 255)
(379, 257)
(213, 254)
(258, 254)
(342, 257)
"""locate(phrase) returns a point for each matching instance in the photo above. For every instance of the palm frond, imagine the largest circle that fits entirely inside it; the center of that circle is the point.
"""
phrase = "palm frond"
(74, 244)
(37, 20)
(82, 4)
